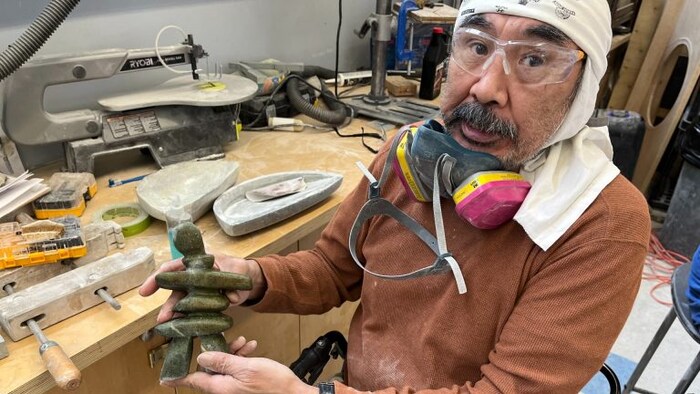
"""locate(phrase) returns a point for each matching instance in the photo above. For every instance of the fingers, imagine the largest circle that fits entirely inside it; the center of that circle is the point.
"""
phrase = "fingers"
(237, 297)
(223, 363)
(150, 286)
(166, 311)
(241, 347)
(235, 265)
(202, 382)
(228, 263)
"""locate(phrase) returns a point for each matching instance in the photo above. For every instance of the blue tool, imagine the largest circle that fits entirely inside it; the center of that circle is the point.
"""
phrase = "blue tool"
(118, 182)
(403, 54)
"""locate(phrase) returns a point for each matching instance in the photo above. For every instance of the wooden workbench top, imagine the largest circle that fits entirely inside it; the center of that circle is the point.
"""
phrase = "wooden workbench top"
(95, 333)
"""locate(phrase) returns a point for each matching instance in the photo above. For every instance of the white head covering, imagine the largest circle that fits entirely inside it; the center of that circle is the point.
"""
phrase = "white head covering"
(567, 177)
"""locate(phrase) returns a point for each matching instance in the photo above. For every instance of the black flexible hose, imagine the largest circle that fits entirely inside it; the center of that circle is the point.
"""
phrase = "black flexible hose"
(335, 115)
(35, 36)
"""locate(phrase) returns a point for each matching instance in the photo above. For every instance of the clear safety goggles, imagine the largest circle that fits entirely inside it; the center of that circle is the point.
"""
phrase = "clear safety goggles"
(531, 62)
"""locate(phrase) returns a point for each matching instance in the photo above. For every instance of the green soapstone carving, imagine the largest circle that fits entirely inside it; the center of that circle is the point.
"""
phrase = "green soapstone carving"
(201, 307)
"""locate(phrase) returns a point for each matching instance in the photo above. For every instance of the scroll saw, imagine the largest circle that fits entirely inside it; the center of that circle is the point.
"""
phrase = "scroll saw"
(181, 119)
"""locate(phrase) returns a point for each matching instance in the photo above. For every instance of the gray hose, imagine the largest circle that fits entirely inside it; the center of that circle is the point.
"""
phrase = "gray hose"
(35, 36)
(336, 112)
(335, 115)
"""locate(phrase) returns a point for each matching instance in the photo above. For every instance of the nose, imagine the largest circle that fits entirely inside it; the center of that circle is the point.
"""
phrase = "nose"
(492, 85)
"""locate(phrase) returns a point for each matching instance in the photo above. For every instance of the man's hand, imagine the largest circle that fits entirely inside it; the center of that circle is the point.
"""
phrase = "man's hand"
(241, 347)
(222, 263)
(241, 375)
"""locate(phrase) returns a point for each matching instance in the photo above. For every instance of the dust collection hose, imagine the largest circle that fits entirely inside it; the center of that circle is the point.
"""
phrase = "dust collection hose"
(35, 36)
(335, 115)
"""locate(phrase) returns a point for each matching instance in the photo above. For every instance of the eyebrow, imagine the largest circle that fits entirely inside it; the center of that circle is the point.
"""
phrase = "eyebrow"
(543, 32)
(548, 33)
(478, 21)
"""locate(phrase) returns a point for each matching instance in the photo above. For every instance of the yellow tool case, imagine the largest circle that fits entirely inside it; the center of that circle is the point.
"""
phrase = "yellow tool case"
(19, 248)
(69, 191)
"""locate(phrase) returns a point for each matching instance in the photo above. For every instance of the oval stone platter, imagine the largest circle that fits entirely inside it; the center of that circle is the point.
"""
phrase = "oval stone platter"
(237, 215)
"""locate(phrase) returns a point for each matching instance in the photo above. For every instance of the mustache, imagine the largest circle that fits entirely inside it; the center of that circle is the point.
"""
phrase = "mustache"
(481, 118)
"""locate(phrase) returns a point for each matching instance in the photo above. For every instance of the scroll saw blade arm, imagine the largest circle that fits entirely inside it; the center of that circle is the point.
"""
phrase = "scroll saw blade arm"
(26, 121)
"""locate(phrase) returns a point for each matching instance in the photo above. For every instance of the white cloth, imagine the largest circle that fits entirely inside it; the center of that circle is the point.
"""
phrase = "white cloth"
(568, 176)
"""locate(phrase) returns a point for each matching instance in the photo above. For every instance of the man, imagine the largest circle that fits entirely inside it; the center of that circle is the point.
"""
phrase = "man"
(533, 305)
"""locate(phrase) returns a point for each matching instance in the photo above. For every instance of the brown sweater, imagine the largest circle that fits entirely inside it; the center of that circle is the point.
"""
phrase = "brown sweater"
(531, 321)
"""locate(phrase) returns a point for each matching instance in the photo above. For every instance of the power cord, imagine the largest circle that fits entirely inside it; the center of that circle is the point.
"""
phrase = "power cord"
(362, 136)
(337, 43)
(659, 266)
(249, 125)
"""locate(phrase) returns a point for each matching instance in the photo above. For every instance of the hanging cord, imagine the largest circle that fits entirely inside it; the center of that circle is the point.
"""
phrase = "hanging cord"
(337, 43)
(659, 266)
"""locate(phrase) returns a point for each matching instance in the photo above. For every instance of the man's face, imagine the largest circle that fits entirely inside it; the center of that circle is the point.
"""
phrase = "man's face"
(497, 113)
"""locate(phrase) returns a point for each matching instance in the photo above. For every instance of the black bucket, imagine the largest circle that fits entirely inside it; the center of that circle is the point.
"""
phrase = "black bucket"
(681, 230)
(626, 135)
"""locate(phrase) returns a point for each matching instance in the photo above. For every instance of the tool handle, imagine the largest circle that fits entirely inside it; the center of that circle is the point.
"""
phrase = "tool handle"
(60, 366)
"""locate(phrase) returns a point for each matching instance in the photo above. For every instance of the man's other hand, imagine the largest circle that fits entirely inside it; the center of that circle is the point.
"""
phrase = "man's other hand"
(235, 374)
(222, 263)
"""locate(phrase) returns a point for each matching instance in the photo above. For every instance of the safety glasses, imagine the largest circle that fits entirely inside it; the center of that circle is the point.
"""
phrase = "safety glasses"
(530, 62)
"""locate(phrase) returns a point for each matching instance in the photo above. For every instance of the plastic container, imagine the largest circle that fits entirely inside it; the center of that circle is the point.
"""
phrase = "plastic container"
(433, 65)
(173, 218)
(69, 192)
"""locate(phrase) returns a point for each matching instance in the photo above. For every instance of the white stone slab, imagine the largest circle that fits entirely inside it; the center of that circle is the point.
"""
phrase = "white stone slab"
(192, 185)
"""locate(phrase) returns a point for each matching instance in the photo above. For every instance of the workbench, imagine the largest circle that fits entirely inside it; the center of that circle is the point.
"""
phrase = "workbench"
(110, 347)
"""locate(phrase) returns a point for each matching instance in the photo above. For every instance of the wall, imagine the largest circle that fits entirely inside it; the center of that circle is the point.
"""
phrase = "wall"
(230, 30)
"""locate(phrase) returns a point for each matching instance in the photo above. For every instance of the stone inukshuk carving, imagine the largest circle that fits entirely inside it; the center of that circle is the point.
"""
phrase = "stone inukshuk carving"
(201, 307)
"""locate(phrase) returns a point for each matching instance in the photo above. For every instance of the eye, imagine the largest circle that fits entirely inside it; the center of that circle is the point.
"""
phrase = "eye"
(478, 48)
(533, 59)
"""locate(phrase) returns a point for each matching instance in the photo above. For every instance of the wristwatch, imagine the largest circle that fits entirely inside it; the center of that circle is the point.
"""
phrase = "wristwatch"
(326, 388)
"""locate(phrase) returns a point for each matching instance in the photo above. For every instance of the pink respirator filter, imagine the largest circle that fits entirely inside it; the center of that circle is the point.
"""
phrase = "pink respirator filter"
(489, 204)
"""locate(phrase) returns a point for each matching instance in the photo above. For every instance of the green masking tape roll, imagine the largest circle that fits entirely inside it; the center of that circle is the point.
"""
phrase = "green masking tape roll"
(130, 217)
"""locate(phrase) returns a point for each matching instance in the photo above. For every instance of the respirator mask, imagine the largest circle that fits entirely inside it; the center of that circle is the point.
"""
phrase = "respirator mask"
(484, 195)
(431, 164)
